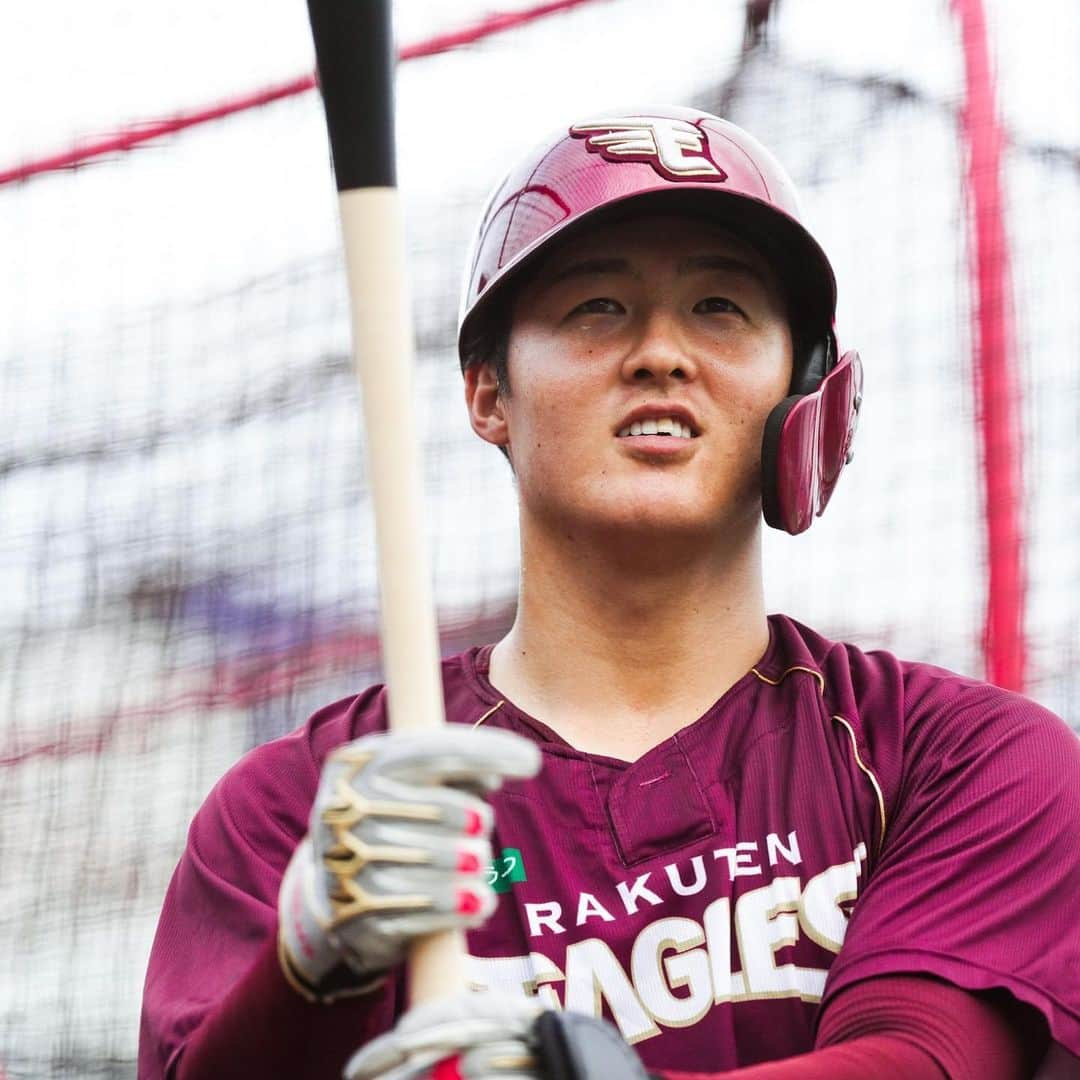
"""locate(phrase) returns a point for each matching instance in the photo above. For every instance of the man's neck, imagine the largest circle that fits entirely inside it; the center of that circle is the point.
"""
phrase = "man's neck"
(617, 650)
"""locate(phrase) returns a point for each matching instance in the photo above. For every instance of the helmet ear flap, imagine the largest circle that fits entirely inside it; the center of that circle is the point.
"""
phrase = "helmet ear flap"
(807, 441)
(773, 503)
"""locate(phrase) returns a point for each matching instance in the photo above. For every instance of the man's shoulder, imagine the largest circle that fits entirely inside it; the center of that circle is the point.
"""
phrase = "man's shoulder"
(869, 682)
(307, 746)
(907, 710)
(267, 794)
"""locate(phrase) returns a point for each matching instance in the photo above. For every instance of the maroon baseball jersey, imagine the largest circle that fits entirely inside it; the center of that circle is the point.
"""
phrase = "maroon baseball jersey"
(836, 815)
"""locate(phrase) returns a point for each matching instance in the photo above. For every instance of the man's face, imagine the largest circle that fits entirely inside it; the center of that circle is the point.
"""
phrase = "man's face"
(644, 358)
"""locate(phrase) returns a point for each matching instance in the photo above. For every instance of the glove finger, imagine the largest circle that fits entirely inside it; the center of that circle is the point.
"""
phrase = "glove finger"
(455, 909)
(453, 1026)
(507, 1059)
(480, 757)
(443, 886)
(374, 1062)
(456, 810)
(406, 860)
(406, 925)
(350, 836)
(380, 1054)
(440, 1029)
(364, 801)
(387, 844)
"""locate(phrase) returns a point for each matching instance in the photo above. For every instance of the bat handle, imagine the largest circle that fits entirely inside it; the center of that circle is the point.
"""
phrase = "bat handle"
(382, 338)
(436, 967)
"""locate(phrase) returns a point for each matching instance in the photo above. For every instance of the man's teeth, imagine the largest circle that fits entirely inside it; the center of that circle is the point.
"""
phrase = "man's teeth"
(664, 425)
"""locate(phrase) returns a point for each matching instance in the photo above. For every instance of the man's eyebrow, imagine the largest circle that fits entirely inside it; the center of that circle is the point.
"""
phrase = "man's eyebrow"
(589, 268)
(728, 263)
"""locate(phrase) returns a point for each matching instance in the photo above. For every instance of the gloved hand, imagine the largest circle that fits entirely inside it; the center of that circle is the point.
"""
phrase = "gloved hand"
(398, 846)
(485, 1036)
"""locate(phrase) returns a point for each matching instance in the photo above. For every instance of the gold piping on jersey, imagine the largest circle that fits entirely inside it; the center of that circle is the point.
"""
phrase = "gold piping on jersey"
(882, 820)
(866, 770)
(494, 708)
(797, 667)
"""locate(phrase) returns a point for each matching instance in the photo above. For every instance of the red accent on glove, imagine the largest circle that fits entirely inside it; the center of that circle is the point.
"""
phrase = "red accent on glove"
(447, 1069)
(468, 903)
(474, 823)
(467, 863)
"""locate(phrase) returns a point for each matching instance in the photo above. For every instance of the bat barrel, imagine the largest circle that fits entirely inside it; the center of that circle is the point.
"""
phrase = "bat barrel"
(354, 49)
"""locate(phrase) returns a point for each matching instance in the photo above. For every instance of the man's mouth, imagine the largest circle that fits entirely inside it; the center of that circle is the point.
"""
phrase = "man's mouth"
(661, 425)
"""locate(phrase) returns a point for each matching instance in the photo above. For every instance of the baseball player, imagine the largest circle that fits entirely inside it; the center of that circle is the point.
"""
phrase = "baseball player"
(686, 838)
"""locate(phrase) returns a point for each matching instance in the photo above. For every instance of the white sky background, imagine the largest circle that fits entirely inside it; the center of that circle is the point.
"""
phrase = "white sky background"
(79, 69)
(98, 333)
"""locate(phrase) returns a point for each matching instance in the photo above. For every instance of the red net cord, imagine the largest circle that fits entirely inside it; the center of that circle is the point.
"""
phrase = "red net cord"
(997, 385)
(147, 130)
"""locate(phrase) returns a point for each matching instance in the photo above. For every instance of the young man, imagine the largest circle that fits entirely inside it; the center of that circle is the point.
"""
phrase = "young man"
(746, 844)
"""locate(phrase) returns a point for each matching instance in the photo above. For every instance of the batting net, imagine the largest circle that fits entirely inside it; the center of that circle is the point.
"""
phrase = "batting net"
(187, 559)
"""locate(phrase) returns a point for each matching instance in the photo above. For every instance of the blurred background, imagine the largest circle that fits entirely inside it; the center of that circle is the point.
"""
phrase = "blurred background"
(186, 551)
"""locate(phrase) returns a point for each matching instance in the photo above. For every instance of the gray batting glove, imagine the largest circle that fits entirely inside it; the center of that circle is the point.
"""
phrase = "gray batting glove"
(398, 847)
(485, 1036)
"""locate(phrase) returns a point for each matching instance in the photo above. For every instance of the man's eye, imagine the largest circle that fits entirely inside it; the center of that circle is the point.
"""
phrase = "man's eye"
(714, 304)
(599, 305)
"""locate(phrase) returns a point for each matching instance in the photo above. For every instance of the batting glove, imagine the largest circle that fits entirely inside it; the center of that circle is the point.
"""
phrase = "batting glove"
(484, 1036)
(398, 847)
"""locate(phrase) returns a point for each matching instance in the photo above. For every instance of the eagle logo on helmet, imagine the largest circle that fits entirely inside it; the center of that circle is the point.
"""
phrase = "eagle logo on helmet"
(676, 149)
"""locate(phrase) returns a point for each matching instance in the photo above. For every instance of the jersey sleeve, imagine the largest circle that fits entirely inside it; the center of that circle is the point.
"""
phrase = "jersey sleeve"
(979, 873)
(221, 905)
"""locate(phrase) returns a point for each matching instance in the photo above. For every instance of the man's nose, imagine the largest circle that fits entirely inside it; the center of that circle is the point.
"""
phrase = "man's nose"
(660, 351)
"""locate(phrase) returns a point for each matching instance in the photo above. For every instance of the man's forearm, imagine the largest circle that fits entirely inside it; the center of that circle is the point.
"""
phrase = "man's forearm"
(909, 1026)
(870, 1057)
(264, 1027)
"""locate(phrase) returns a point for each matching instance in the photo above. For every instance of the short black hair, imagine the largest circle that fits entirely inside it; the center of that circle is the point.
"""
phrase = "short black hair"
(491, 345)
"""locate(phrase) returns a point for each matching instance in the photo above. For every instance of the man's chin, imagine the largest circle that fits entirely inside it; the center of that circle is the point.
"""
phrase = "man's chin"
(654, 512)
(669, 523)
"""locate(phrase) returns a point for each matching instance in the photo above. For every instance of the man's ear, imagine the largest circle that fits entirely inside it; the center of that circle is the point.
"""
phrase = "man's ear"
(485, 404)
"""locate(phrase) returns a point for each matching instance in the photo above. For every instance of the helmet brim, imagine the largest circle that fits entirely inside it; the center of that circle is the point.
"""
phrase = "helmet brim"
(801, 266)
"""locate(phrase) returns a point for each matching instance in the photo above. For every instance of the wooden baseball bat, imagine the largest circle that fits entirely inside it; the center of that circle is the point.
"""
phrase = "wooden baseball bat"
(354, 49)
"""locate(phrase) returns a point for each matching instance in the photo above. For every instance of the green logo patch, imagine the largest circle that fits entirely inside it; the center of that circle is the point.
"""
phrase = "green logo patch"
(507, 869)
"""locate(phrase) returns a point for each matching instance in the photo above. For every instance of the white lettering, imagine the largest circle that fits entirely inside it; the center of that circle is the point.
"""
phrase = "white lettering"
(698, 863)
(591, 908)
(545, 971)
(517, 976)
(740, 859)
(820, 914)
(765, 921)
(541, 916)
(594, 975)
(776, 847)
(717, 921)
(656, 976)
(679, 968)
(630, 895)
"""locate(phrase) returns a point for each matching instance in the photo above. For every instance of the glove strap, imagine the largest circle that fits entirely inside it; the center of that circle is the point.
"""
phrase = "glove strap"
(340, 983)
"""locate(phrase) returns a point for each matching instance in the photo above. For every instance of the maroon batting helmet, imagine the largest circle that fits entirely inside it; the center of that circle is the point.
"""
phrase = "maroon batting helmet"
(685, 160)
